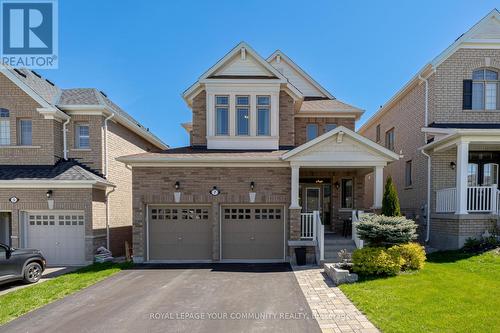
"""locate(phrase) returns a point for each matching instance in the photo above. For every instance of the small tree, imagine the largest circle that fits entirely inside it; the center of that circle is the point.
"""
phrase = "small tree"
(390, 202)
(380, 230)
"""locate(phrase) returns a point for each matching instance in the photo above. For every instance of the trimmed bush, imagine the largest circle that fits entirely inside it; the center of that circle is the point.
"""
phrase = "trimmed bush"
(390, 201)
(413, 255)
(380, 230)
(376, 261)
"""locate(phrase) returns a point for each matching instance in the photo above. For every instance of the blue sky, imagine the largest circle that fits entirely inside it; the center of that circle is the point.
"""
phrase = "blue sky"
(144, 54)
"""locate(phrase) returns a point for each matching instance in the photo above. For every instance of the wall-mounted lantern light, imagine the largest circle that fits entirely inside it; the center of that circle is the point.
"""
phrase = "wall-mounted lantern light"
(453, 165)
(337, 185)
(50, 201)
(177, 193)
(252, 194)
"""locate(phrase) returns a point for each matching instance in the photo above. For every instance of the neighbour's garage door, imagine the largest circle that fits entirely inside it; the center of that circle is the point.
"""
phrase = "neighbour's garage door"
(59, 235)
(180, 233)
(253, 233)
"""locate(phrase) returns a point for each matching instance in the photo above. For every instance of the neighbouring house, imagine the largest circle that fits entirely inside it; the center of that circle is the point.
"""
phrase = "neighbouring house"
(273, 164)
(446, 123)
(61, 189)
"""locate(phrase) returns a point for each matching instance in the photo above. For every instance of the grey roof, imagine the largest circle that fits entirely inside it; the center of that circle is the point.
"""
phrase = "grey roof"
(92, 96)
(48, 91)
(57, 96)
(63, 170)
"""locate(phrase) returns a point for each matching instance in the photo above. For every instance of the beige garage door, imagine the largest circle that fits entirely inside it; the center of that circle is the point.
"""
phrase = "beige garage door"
(252, 233)
(180, 233)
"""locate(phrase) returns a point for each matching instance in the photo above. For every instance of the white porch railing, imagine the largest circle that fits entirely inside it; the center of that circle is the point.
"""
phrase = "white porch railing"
(480, 199)
(356, 214)
(311, 228)
(307, 226)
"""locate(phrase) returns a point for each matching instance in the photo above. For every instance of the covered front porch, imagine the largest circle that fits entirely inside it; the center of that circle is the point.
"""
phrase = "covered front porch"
(327, 186)
(465, 199)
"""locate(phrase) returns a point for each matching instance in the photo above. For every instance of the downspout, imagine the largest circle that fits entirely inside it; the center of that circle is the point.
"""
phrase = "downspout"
(426, 123)
(106, 143)
(107, 218)
(65, 140)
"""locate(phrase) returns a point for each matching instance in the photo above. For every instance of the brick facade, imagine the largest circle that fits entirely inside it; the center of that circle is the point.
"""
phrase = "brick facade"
(286, 110)
(301, 124)
(156, 186)
(22, 106)
(406, 116)
(199, 132)
(47, 149)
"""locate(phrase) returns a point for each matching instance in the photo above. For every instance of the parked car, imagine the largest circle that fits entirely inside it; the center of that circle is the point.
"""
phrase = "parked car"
(20, 264)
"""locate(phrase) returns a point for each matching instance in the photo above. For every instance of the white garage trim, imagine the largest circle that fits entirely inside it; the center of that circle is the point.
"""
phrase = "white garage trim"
(222, 260)
(147, 235)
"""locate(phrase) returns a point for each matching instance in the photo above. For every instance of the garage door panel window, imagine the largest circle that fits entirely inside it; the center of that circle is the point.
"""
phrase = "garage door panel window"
(184, 214)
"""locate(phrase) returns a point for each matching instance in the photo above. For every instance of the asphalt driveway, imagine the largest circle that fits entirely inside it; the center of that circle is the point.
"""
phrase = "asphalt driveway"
(201, 298)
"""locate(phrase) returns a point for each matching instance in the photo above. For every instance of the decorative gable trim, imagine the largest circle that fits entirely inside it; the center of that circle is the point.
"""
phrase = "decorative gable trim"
(280, 56)
(242, 51)
(342, 133)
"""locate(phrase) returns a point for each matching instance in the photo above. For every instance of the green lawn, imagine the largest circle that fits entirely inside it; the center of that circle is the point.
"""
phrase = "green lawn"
(19, 302)
(455, 292)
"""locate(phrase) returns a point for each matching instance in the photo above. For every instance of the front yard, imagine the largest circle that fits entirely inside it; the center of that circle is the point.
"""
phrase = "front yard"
(455, 292)
(19, 302)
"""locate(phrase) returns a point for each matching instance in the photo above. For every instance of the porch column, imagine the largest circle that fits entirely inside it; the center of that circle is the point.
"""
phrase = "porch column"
(378, 186)
(294, 200)
(462, 165)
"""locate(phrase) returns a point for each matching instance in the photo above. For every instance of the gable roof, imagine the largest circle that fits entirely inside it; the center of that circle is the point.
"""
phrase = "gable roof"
(322, 107)
(222, 70)
(483, 34)
(280, 56)
(343, 131)
(55, 100)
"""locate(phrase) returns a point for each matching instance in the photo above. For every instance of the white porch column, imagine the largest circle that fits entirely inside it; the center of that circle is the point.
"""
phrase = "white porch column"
(462, 165)
(294, 200)
(378, 186)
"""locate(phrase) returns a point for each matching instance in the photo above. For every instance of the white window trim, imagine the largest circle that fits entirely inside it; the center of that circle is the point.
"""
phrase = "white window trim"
(19, 132)
(77, 136)
(485, 82)
(233, 141)
(249, 120)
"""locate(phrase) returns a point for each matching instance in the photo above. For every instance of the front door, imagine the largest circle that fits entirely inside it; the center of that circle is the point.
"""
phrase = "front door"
(313, 199)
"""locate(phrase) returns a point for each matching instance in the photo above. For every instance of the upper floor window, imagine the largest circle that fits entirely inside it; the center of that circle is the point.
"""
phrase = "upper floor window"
(481, 93)
(4, 127)
(82, 136)
(329, 127)
(389, 139)
(311, 131)
(377, 134)
(263, 115)
(242, 115)
(222, 115)
(25, 130)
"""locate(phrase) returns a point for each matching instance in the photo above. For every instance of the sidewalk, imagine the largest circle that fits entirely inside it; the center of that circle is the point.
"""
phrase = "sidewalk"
(334, 312)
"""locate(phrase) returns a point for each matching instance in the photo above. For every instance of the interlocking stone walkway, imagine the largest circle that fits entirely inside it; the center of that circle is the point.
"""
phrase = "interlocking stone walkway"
(334, 312)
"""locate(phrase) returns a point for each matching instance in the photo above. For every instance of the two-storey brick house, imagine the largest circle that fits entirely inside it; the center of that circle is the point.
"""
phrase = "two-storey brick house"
(269, 147)
(446, 123)
(61, 188)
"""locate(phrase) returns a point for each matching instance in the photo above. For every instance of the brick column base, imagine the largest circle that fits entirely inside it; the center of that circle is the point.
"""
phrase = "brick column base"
(294, 224)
